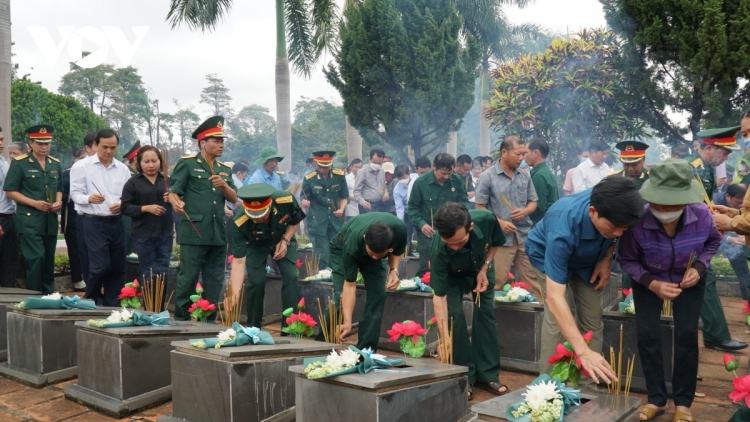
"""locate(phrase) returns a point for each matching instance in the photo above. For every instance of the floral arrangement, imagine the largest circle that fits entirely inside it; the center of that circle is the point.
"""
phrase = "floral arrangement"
(321, 275)
(407, 284)
(741, 392)
(201, 308)
(225, 337)
(746, 311)
(410, 336)
(335, 362)
(515, 292)
(127, 318)
(567, 366)
(115, 317)
(52, 296)
(237, 335)
(627, 307)
(414, 284)
(129, 295)
(425, 278)
(56, 301)
(299, 324)
(546, 400)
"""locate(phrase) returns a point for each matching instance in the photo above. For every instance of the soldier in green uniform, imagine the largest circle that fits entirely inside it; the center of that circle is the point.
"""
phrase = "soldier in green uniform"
(204, 183)
(363, 243)
(462, 262)
(430, 192)
(266, 227)
(34, 181)
(129, 160)
(716, 145)
(326, 194)
(633, 157)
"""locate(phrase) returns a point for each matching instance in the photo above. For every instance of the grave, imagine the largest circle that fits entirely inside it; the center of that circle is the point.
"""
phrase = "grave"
(594, 407)
(125, 370)
(519, 330)
(419, 389)
(246, 383)
(9, 297)
(42, 345)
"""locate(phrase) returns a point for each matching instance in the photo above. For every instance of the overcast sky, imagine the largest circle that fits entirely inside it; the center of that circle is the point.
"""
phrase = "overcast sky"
(174, 63)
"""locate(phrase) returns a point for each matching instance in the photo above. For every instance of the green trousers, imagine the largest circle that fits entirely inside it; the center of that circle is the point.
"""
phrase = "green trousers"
(322, 247)
(742, 415)
(255, 287)
(206, 262)
(481, 354)
(424, 245)
(374, 274)
(39, 254)
(715, 329)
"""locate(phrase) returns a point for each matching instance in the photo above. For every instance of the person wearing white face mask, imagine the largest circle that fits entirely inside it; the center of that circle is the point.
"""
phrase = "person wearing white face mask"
(369, 185)
(676, 228)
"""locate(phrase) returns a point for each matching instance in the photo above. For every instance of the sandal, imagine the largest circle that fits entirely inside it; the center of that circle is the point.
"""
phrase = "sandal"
(471, 392)
(651, 412)
(493, 387)
(682, 416)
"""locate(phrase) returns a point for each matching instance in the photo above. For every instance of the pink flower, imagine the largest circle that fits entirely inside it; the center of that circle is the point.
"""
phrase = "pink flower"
(289, 321)
(521, 284)
(741, 390)
(432, 322)
(299, 263)
(230, 258)
(127, 292)
(510, 276)
(301, 304)
(135, 283)
(414, 330)
(626, 292)
(729, 363)
(205, 305)
(426, 278)
(198, 288)
(395, 332)
(746, 308)
(588, 337)
(583, 370)
(562, 354)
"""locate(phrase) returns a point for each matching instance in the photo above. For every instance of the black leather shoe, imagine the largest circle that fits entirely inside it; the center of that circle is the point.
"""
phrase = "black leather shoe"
(726, 346)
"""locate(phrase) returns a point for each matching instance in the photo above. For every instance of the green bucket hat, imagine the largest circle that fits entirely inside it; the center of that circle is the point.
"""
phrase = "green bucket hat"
(266, 154)
(671, 182)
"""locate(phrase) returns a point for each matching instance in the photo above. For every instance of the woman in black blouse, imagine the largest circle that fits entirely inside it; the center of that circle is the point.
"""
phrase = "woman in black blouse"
(144, 198)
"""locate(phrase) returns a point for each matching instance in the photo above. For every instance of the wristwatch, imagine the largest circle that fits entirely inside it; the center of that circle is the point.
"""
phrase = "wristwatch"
(610, 256)
(396, 270)
(288, 241)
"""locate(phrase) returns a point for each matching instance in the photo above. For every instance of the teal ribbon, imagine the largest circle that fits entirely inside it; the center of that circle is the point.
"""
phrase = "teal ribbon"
(570, 397)
(628, 301)
(527, 298)
(367, 363)
(139, 319)
(65, 303)
(249, 335)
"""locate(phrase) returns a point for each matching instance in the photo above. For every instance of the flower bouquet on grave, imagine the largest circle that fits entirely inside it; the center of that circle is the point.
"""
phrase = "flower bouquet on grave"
(425, 279)
(627, 306)
(126, 318)
(566, 365)
(235, 336)
(130, 295)
(741, 392)
(415, 284)
(346, 362)
(322, 275)
(514, 292)
(546, 400)
(410, 336)
(201, 308)
(299, 324)
(746, 311)
(56, 301)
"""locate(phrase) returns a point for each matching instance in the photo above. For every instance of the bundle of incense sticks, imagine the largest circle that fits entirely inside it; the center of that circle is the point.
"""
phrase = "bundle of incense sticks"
(153, 292)
(706, 198)
(51, 197)
(232, 306)
(312, 264)
(506, 202)
(477, 300)
(294, 188)
(445, 345)
(615, 361)
(330, 326)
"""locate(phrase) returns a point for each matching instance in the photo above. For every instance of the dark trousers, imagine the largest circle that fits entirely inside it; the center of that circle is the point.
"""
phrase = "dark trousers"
(255, 286)
(715, 329)
(106, 244)
(377, 206)
(424, 244)
(71, 241)
(206, 262)
(8, 251)
(153, 254)
(409, 233)
(83, 250)
(686, 310)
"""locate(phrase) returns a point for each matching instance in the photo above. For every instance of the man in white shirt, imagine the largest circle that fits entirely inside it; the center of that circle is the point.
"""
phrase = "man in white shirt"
(352, 208)
(95, 186)
(8, 233)
(593, 170)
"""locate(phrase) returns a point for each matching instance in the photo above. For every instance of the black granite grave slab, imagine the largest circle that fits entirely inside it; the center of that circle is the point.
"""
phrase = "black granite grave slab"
(42, 346)
(420, 389)
(519, 330)
(18, 291)
(323, 290)
(7, 302)
(237, 384)
(124, 370)
(595, 407)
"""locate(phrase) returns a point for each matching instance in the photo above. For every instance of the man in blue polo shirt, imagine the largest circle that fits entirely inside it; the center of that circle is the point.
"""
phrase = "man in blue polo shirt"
(574, 246)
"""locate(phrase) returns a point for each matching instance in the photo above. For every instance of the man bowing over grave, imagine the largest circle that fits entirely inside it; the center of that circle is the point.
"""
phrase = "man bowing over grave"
(266, 227)
(362, 244)
(461, 263)
(204, 183)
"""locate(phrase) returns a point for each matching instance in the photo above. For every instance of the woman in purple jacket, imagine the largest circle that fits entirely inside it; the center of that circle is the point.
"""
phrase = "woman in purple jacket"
(655, 253)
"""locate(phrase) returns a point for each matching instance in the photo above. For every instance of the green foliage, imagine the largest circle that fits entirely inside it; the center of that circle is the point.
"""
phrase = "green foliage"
(252, 129)
(216, 95)
(569, 95)
(318, 124)
(687, 57)
(403, 68)
(62, 264)
(32, 104)
(175, 253)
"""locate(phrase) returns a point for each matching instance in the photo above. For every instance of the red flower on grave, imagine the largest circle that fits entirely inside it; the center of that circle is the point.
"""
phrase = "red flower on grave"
(746, 308)
(521, 284)
(432, 322)
(230, 258)
(127, 292)
(426, 278)
(729, 363)
(204, 305)
(583, 370)
(511, 277)
(588, 337)
(626, 292)
(563, 354)
(198, 288)
(299, 263)
(741, 390)
(301, 304)
(395, 332)
(413, 330)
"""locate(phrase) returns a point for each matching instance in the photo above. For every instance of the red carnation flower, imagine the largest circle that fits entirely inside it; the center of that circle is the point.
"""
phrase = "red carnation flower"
(127, 293)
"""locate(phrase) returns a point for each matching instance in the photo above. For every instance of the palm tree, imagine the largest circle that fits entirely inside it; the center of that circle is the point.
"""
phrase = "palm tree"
(6, 68)
(309, 28)
(500, 40)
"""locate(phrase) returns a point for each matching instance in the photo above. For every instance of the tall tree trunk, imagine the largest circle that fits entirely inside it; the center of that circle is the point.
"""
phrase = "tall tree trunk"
(283, 101)
(353, 142)
(453, 143)
(484, 124)
(6, 71)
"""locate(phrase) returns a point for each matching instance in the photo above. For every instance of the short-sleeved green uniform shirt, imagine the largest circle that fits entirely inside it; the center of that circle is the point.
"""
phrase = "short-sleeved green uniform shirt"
(27, 177)
(204, 203)
(705, 172)
(427, 195)
(458, 269)
(256, 241)
(546, 190)
(353, 235)
(324, 196)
